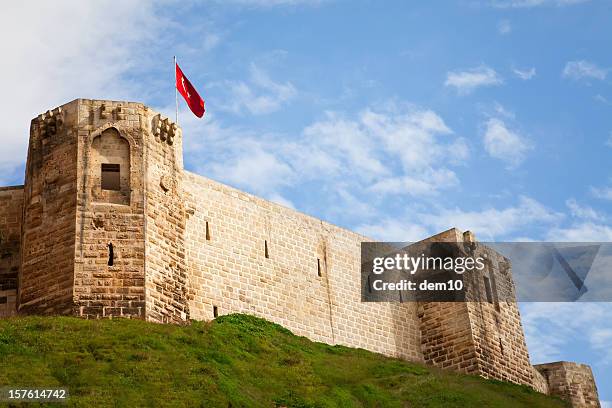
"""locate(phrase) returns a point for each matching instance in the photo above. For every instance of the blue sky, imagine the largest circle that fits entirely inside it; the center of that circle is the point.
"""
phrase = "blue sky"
(395, 119)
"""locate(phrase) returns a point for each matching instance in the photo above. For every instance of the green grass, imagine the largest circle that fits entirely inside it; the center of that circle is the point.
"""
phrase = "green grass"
(235, 361)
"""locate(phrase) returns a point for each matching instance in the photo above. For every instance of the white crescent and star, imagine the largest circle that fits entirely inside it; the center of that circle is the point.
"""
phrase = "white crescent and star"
(184, 87)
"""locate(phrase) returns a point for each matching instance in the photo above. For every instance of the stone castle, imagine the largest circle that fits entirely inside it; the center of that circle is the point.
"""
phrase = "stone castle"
(110, 224)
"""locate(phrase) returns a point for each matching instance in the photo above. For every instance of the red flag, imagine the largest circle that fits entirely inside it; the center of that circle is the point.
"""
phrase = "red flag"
(193, 99)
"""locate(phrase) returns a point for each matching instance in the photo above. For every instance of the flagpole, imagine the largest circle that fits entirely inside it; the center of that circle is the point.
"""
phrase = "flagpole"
(175, 91)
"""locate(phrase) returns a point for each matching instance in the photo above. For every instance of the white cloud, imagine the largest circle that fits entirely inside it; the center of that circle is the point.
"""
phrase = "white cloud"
(492, 223)
(429, 183)
(584, 212)
(390, 230)
(488, 224)
(601, 98)
(60, 51)
(256, 168)
(552, 327)
(468, 80)
(354, 159)
(210, 41)
(500, 110)
(504, 27)
(606, 404)
(278, 199)
(534, 3)
(272, 3)
(505, 144)
(583, 69)
(604, 193)
(261, 95)
(524, 74)
(581, 232)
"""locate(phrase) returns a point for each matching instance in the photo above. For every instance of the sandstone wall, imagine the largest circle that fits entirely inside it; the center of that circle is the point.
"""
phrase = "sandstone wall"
(166, 264)
(495, 319)
(499, 341)
(109, 253)
(11, 208)
(571, 381)
(484, 334)
(446, 336)
(308, 281)
(47, 272)
(540, 383)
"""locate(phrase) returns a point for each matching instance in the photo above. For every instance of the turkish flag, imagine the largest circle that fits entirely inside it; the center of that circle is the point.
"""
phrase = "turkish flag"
(193, 99)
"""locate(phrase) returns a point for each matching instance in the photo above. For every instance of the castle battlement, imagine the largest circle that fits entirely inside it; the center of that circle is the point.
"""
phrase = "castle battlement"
(109, 223)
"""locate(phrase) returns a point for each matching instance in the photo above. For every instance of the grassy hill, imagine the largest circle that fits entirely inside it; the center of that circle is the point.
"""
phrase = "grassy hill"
(235, 361)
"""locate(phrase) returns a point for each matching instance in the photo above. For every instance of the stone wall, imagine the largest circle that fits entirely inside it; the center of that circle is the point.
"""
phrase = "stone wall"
(446, 336)
(248, 255)
(539, 383)
(499, 341)
(110, 250)
(496, 327)
(482, 335)
(571, 381)
(88, 243)
(11, 208)
(46, 280)
(166, 264)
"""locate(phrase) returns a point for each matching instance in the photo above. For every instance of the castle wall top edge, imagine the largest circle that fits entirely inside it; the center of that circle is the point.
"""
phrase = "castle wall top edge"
(560, 363)
(88, 101)
(16, 187)
(254, 198)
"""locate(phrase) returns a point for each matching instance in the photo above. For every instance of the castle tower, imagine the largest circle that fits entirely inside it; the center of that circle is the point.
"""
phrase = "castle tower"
(103, 215)
(483, 334)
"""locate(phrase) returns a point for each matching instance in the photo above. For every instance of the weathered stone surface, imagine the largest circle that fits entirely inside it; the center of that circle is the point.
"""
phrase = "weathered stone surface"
(11, 208)
(110, 224)
(571, 381)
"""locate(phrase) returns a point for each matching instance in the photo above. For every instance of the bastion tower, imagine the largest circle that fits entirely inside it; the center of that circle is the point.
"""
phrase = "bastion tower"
(100, 176)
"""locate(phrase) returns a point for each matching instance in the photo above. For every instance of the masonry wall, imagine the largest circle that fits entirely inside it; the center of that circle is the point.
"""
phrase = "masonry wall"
(571, 381)
(11, 208)
(50, 195)
(500, 343)
(309, 282)
(499, 338)
(109, 245)
(166, 263)
(446, 336)
(482, 334)
(540, 383)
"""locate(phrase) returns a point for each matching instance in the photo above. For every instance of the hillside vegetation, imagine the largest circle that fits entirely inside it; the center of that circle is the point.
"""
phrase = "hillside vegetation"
(234, 361)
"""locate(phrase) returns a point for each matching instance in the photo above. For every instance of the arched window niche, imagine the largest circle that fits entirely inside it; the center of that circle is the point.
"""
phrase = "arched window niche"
(110, 168)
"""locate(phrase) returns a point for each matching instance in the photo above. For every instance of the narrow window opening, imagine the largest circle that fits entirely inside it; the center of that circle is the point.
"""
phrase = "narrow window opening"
(319, 268)
(501, 346)
(111, 254)
(489, 294)
(111, 177)
(215, 311)
(267, 253)
(494, 294)
(207, 232)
